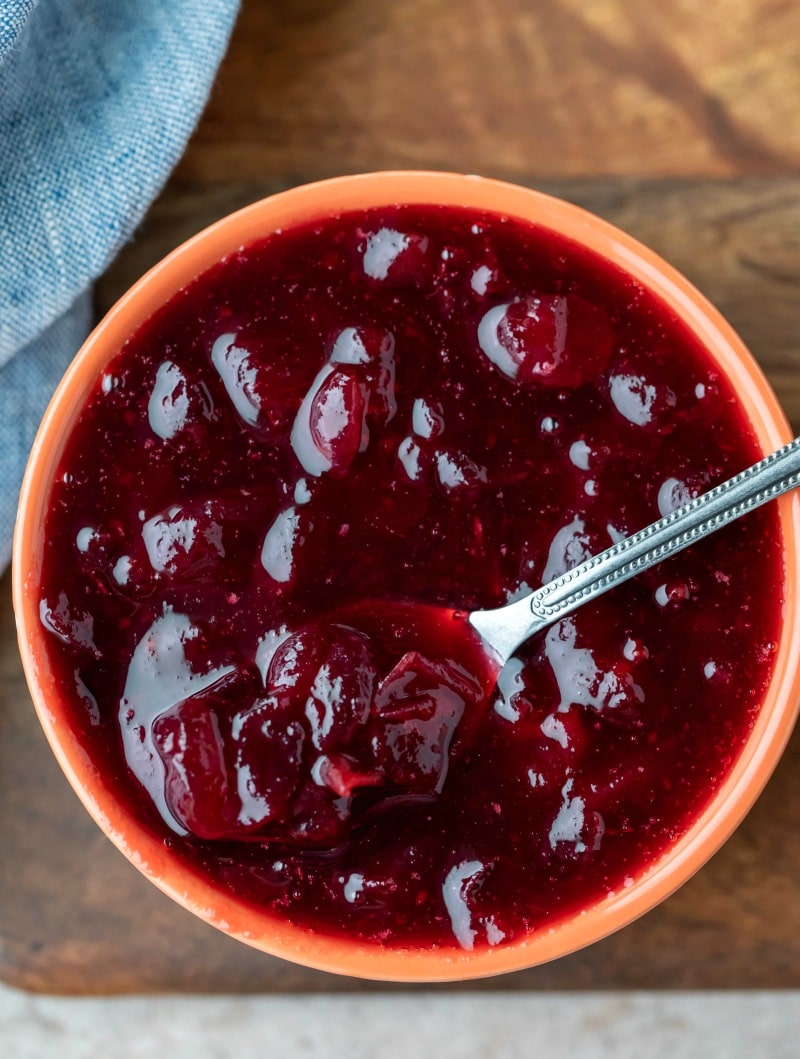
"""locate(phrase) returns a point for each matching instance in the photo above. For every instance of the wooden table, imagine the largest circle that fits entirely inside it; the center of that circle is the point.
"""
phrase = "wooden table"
(677, 121)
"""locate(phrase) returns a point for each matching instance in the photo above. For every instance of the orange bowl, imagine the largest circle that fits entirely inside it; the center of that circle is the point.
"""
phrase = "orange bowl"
(263, 929)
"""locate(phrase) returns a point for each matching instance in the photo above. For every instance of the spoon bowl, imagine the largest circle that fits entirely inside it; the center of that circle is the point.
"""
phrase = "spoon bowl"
(505, 628)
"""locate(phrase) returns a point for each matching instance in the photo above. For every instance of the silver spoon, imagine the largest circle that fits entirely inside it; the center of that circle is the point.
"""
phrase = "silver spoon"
(504, 629)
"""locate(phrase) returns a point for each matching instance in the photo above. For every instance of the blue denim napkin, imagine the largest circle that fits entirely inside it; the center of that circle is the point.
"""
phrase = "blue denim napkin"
(97, 101)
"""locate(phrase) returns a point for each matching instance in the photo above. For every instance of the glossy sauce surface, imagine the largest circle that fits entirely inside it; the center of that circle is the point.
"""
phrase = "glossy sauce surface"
(424, 405)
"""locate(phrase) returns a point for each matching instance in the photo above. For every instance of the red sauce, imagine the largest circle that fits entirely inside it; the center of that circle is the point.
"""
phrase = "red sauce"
(412, 404)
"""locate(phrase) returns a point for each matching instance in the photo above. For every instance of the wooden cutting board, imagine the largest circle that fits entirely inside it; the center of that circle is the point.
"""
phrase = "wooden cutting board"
(75, 917)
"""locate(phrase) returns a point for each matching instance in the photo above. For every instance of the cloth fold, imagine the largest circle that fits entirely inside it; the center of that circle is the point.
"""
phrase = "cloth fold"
(97, 101)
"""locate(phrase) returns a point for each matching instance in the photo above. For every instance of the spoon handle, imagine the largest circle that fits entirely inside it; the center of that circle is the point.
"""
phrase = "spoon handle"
(505, 628)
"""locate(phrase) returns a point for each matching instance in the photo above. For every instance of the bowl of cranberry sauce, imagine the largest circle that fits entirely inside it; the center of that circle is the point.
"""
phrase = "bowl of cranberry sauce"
(355, 397)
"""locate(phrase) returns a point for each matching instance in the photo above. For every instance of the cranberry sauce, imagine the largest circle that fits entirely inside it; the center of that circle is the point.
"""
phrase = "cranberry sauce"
(411, 404)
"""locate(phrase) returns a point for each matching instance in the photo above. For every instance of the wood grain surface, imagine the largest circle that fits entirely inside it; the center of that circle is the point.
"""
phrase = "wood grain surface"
(524, 88)
(676, 120)
(75, 917)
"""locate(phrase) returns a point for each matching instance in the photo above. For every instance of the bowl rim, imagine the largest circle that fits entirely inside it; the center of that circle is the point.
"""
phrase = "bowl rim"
(261, 929)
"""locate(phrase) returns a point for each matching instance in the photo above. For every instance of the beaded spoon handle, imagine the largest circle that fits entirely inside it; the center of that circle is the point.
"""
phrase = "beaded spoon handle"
(504, 629)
